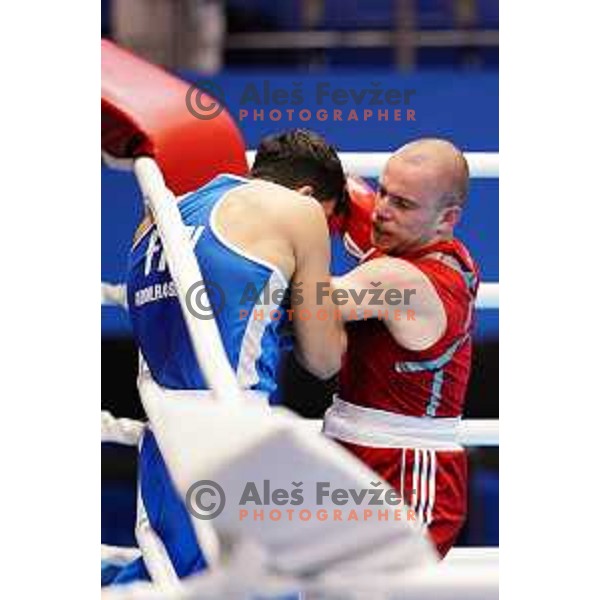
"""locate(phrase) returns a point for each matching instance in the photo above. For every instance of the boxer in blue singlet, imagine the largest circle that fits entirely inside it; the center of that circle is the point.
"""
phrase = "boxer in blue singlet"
(248, 235)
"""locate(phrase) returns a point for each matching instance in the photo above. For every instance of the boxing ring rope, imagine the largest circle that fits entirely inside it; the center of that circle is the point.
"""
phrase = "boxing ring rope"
(482, 165)
(126, 432)
(488, 296)
(118, 555)
(121, 555)
(471, 432)
(115, 294)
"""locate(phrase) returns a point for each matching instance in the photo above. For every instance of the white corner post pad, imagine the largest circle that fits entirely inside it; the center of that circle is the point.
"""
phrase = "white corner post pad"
(234, 447)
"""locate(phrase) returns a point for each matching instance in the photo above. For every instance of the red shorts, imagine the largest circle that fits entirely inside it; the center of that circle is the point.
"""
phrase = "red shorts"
(433, 482)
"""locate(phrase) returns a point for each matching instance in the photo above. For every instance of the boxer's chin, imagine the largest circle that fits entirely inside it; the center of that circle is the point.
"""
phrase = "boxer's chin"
(381, 241)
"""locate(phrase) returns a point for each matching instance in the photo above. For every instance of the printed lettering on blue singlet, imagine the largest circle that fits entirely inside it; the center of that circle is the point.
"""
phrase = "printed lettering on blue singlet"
(155, 248)
(250, 335)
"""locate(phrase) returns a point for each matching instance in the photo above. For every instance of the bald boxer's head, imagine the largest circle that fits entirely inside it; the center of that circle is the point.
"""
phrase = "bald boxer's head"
(302, 161)
(422, 191)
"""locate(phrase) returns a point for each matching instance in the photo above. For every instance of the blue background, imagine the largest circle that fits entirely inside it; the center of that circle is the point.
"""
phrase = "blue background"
(462, 107)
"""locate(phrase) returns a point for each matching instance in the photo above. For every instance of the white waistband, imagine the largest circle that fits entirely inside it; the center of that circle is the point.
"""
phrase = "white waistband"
(381, 429)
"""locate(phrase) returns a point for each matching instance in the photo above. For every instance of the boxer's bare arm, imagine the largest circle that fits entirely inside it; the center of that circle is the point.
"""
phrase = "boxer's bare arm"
(398, 293)
(320, 337)
(290, 231)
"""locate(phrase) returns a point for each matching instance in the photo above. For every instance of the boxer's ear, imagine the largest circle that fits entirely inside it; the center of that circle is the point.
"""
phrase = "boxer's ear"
(449, 219)
(305, 190)
(328, 207)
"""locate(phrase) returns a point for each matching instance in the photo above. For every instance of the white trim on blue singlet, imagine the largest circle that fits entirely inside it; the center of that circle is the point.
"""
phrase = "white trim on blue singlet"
(184, 196)
(237, 249)
(233, 176)
(251, 346)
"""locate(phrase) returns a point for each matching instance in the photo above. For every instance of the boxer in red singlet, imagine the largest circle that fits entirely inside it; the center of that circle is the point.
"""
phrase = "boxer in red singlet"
(404, 378)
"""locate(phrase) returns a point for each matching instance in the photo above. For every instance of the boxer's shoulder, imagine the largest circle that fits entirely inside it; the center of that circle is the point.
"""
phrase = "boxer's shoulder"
(283, 206)
(271, 222)
(147, 222)
(450, 266)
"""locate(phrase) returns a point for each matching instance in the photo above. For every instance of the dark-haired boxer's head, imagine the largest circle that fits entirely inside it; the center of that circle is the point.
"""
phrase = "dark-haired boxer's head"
(303, 161)
(422, 190)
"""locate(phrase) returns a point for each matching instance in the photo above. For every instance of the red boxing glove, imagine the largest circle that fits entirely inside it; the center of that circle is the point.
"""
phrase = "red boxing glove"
(357, 223)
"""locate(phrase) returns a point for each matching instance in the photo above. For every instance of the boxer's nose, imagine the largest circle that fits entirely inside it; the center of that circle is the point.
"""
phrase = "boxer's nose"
(382, 210)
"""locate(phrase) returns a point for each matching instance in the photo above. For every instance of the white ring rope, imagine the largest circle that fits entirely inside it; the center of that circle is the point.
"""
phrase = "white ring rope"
(121, 431)
(115, 294)
(121, 555)
(488, 296)
(482, 165)
(469, 573)
(118, 555)
(471, 432)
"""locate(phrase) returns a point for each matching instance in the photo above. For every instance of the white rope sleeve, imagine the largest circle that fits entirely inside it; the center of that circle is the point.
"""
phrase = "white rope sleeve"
(370, 164)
